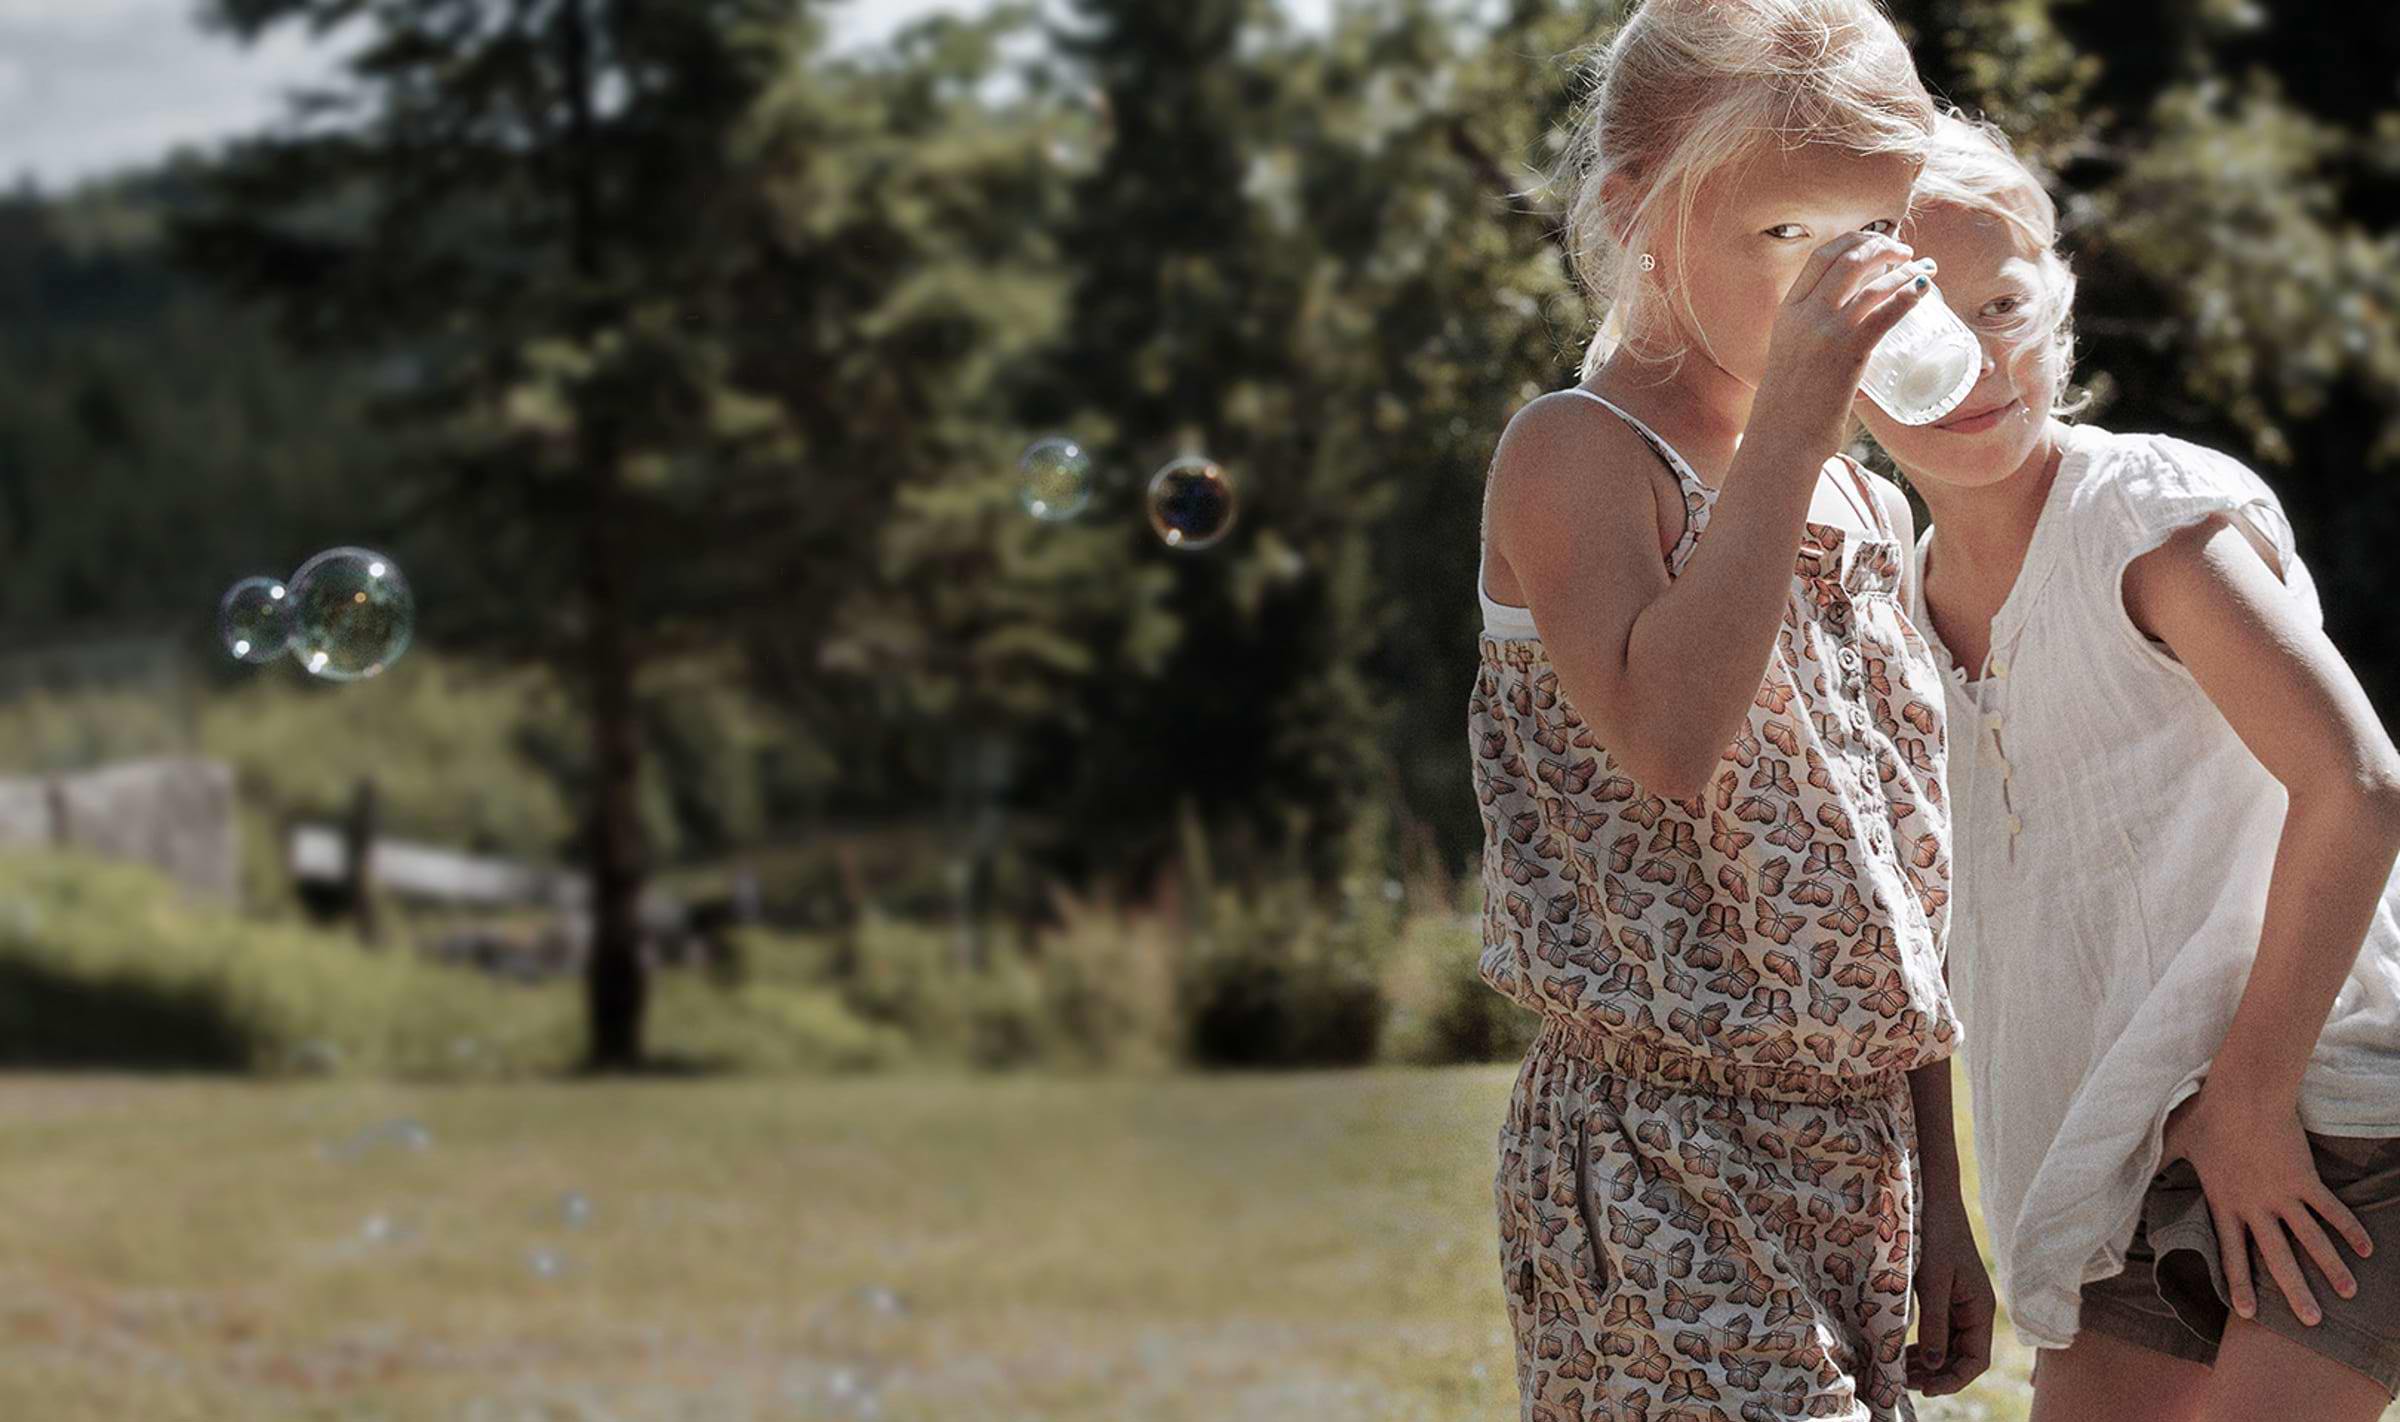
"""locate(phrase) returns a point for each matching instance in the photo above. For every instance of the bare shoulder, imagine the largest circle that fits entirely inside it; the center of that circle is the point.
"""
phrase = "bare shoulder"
(1563, 457)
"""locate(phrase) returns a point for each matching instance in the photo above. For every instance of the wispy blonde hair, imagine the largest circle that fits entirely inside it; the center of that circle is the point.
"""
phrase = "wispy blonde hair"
(1687, 87)
(1971, 166)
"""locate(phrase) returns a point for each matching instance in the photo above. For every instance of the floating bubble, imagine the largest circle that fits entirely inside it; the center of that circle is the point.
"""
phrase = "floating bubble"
(575, 1208)
(316, 1055)
(402, 1133)
(852, 1391)
(1054, 479)
(1192, 502)
(383, 1228)
(352, 614)
(255, 620)
(547, 1263)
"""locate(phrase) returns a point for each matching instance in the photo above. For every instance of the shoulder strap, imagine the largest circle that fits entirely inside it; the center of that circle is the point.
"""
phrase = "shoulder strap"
(1683, 472)
(1866, 486)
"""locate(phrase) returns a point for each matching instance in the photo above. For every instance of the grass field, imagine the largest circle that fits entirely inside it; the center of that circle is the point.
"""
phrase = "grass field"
(1295, 1246)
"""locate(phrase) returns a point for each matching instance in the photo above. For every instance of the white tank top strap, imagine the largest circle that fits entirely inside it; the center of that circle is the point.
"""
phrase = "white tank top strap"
(1501, 620)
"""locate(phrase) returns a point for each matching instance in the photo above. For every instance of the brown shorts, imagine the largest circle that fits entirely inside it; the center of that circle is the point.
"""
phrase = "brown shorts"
(2172, 1297)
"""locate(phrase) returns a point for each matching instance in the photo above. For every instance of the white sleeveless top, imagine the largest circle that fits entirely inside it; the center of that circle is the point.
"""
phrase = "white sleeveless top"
(2112, 843)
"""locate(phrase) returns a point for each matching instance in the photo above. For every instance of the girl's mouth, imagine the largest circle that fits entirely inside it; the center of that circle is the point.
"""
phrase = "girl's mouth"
(1976, 424)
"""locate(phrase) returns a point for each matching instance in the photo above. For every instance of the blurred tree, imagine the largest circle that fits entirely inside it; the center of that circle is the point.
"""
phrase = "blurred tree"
(152, 435)
(543, 209)
(737, 357)
(911, 275)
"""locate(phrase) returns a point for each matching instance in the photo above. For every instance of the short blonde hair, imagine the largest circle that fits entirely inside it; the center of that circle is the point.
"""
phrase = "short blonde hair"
(1972, 167)
(1686, 87)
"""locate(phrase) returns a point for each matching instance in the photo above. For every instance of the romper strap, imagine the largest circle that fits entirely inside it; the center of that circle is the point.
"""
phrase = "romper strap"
(1875, 511)
(1666, 451)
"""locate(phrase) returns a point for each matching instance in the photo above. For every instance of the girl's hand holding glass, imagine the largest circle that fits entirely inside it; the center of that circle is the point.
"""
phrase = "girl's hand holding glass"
(1849, 295)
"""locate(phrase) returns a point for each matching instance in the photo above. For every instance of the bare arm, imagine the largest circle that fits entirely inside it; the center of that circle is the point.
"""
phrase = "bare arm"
(1954, 1334)
(2287, 692)
(1665, 669)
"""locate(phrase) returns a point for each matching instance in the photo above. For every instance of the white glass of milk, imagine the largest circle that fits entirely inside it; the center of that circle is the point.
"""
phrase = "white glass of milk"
(1924, 366)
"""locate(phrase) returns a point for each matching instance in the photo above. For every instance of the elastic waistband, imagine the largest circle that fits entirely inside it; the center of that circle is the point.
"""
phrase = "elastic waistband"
(1720, 1076)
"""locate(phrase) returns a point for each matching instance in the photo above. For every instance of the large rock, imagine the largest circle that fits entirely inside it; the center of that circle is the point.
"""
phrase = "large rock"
(174, 814)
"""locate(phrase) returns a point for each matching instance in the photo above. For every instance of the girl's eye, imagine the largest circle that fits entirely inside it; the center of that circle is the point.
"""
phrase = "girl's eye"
(1787, 231)
(2003, 306)
(1887, 226)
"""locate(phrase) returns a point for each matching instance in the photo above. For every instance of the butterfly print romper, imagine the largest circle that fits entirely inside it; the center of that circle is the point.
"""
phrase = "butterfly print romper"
(1707, 1181)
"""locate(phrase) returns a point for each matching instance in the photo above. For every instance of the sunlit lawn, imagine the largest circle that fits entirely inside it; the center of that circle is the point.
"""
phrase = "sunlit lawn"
(1305, 1246)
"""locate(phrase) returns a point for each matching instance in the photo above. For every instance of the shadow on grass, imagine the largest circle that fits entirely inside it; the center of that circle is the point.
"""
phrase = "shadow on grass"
(48, 1020)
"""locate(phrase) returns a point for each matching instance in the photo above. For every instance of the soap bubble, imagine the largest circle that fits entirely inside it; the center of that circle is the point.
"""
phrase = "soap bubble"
(1192, 502)
(1054, 479)
(402, 1133)
(352, 613)
(255, 620)
(548, 1263)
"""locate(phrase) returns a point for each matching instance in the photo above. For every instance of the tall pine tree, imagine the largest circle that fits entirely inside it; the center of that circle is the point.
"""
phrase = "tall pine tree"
(545, 207)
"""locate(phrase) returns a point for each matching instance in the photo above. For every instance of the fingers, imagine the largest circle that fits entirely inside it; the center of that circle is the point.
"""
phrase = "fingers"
(2326, 1203)
(1933, 1328)
(1967, 1344)
(1857, 277)
(1971, 1346)
(2313, 1238)
(1846, 259)
(1890, 300)
(2236, 1259)
(2286, 1269)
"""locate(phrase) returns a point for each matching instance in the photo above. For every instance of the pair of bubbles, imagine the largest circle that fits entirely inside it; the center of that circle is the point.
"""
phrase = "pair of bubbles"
(384, 1228)
(1191, 499)
(345, 615)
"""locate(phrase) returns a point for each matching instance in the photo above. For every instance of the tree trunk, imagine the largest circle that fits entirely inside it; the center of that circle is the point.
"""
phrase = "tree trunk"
(615, 990)
(358, 855)
(614, 982)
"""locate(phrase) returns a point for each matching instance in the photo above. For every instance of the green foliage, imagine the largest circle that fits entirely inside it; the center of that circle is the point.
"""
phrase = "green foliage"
(1279, 980)
(108, 967)
(1442, 1011)
(156, 442)
(104, 965)
(817, 309)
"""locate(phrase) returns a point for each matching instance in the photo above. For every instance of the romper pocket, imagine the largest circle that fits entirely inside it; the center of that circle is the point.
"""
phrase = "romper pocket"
(1514, 1214)
(1604, 1273)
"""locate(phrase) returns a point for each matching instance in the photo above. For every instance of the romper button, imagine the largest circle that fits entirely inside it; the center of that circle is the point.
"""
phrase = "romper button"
(1999, 667)
(1849, 657)
(1858, 719)
(2015, 824)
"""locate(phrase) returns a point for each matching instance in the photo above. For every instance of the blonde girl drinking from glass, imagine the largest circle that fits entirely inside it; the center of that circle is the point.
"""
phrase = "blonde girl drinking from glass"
(1708, 747)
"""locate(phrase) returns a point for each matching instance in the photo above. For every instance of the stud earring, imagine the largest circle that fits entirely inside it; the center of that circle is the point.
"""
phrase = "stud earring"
(1649, 263)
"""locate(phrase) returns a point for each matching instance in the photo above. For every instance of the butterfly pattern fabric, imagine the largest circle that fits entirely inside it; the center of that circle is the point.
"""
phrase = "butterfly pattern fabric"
(1736, 1254)
(1761, 965)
